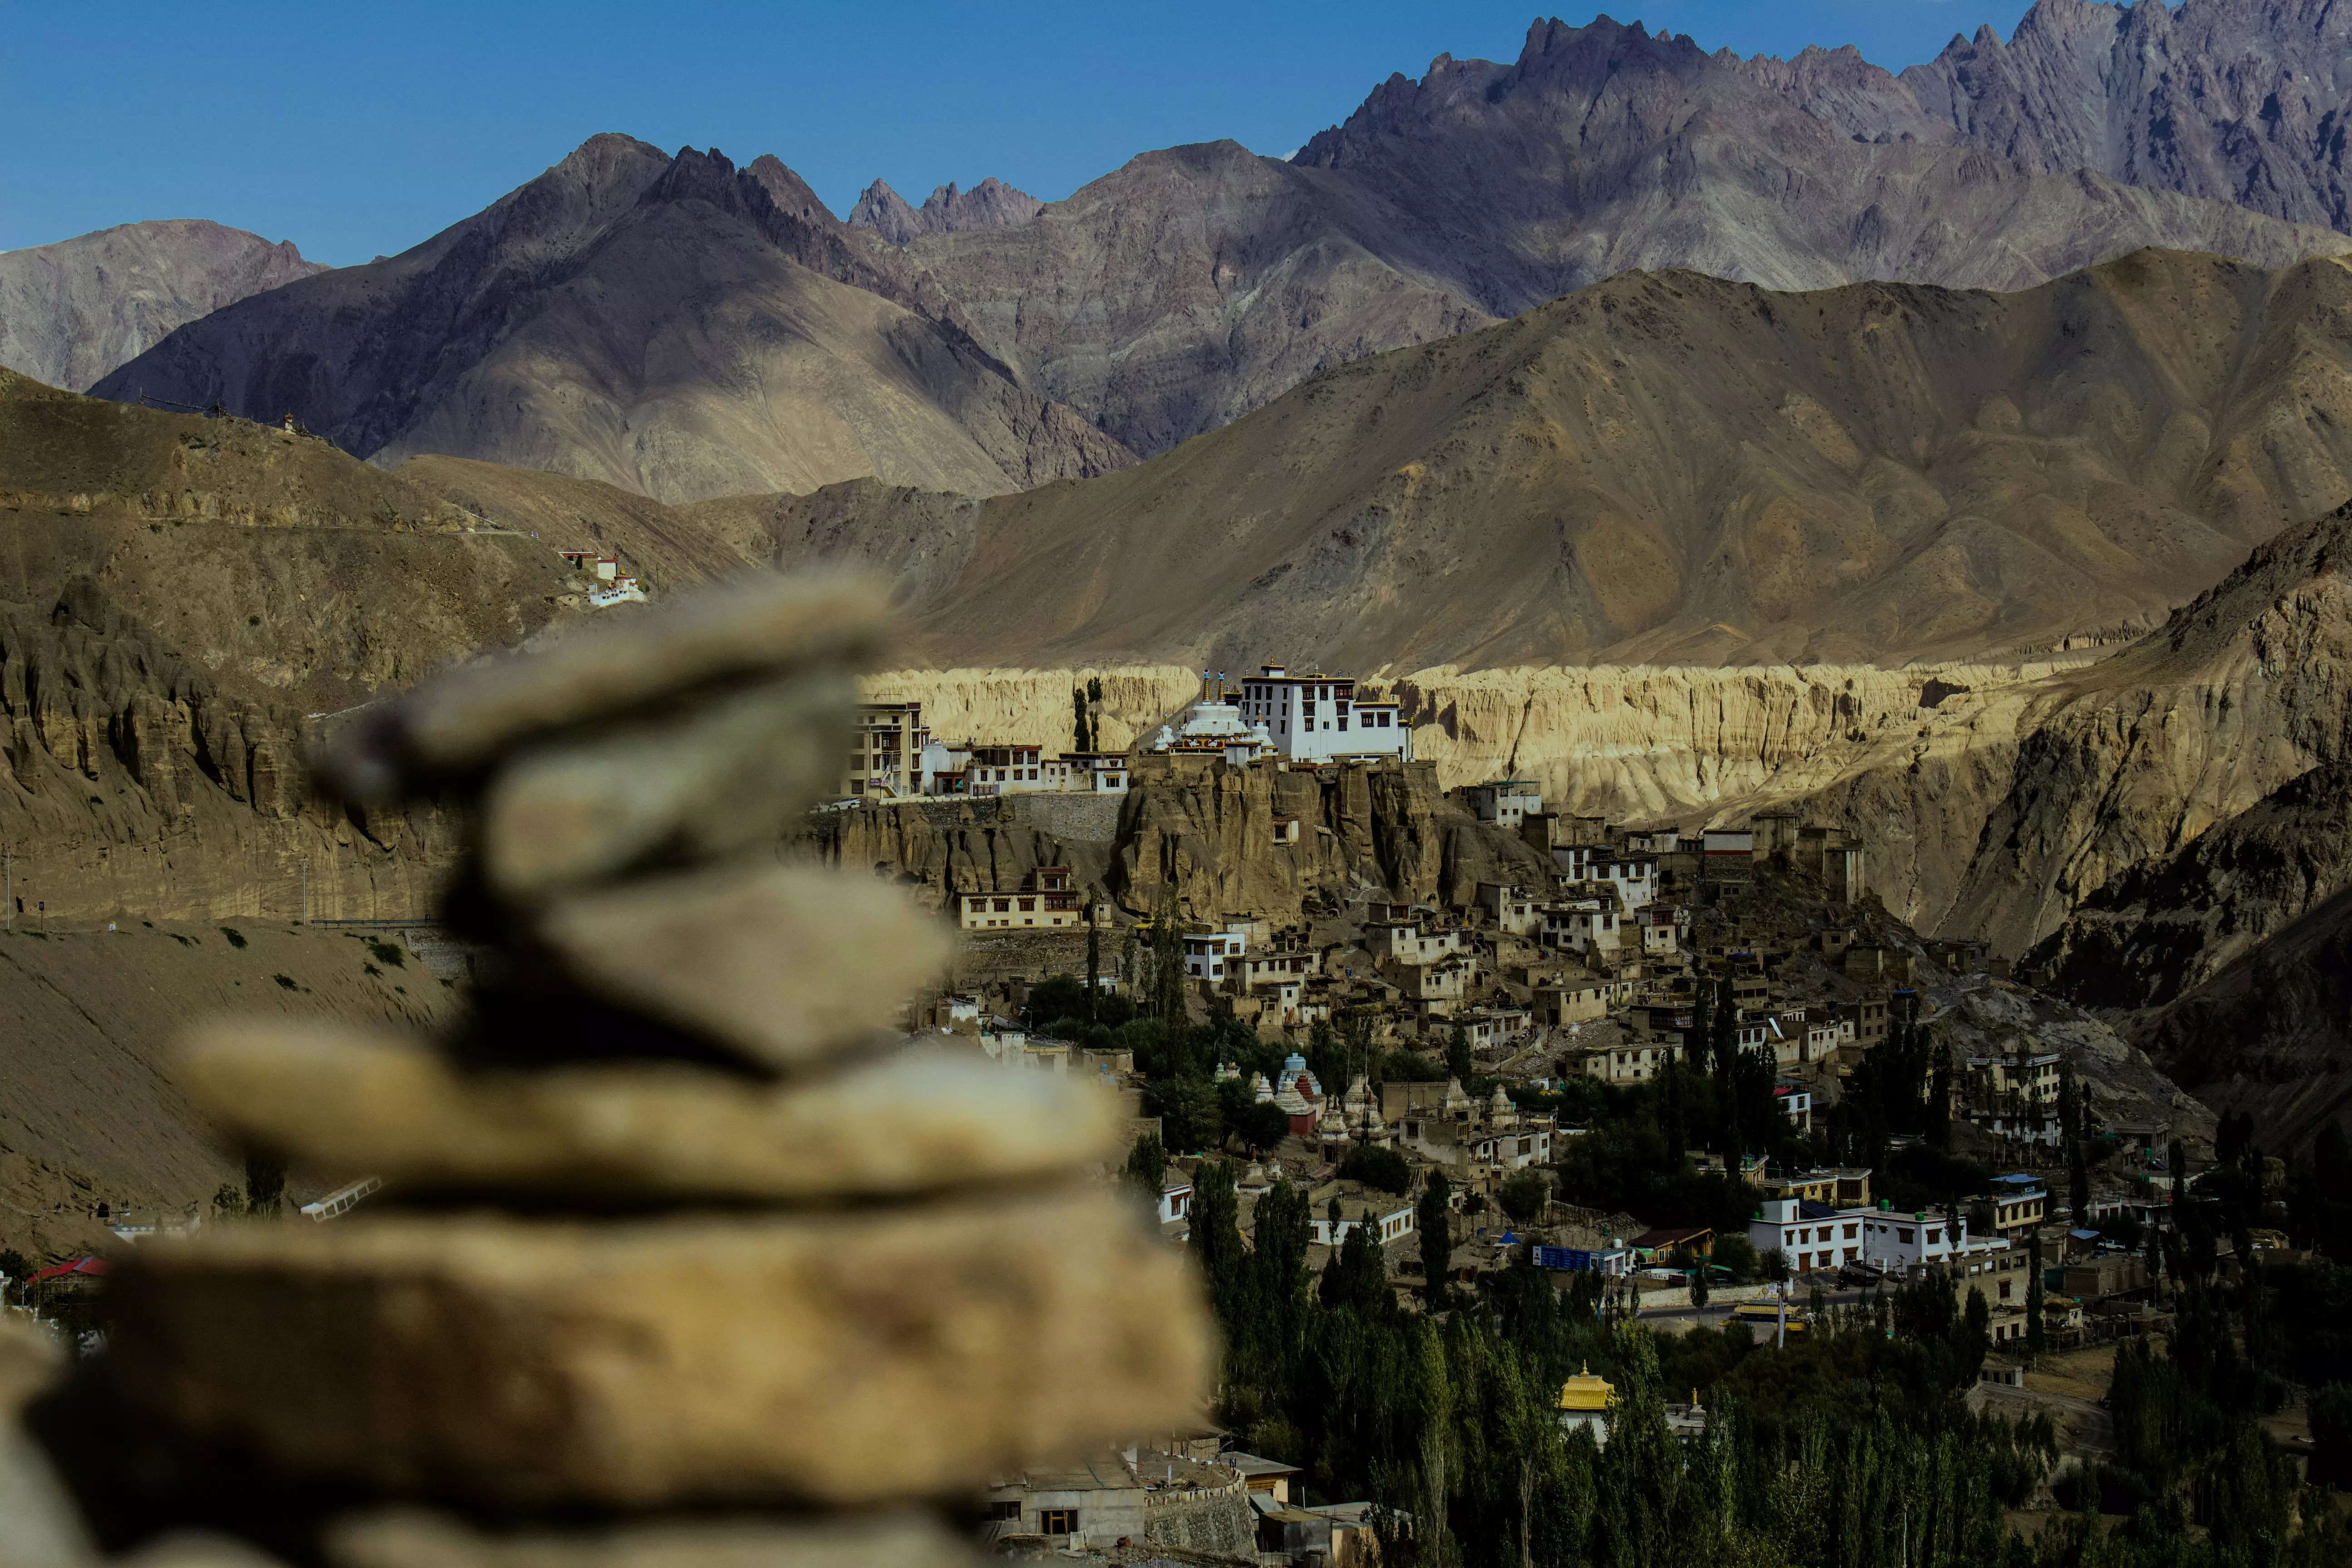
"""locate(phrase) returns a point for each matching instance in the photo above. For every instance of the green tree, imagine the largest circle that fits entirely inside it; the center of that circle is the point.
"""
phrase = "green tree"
(1146, 1168)
(1168, 962)
(1435, 1220)
(1458, 1060)
(1082, 739)
(1382, 1168)
(265, 1186)
(1356, 1276)
(1524, 1194)
(2037, 1338)
(1094, 961)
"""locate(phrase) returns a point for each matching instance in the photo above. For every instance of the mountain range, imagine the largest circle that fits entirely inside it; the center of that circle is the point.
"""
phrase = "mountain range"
(683, 328)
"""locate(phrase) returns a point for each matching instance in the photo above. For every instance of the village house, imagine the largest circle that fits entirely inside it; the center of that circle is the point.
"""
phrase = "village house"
(1633, 877)
(1585, 926)
(1845, 1186)
(1045, 901)
(1407, 941)
(1388, 1218)
(886, 751)
(1118, 1497)
(1796, 1102)
(1512, 910)
(1004, 770)
(1634, 1060)
(1436, 990)
(1211, 957)
(1811, 1236)
(2013, 1095)
(1581, 1001)
(1506, 803)
(2019, 1201)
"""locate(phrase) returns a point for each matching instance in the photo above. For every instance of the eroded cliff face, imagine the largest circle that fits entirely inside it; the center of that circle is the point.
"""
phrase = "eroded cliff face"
(1199, 834)
(1911, 760)
(1033, 706)
(1205, 834)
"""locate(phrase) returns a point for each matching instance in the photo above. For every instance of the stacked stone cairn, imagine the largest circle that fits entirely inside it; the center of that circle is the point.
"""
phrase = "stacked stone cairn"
(681, 1258)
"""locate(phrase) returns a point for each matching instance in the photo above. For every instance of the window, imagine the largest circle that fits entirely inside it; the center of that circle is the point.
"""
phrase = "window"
(1057, 1521)
(1903, 1234)
(1009, 1509)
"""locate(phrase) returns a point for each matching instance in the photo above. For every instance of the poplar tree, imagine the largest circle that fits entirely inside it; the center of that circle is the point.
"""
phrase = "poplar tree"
(1435, 1224)
(1094, 960)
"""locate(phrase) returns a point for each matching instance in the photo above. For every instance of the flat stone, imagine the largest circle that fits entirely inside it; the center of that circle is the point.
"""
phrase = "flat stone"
(761, 625)
(720, 1359)
(780, 964)
(693, 782)
(197, 1549)
(329, 1099)
(419, 1538)
(32, 1357)
(40, 1526)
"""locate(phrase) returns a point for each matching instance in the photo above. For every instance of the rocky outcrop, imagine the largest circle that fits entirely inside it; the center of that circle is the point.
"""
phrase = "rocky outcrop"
(1203, 835)
(672, 325)
(992, 203)
(191, 601)
(2233, 101)
(1200, 834)
(2166, 926)
(71, 311)
(2269, 1034)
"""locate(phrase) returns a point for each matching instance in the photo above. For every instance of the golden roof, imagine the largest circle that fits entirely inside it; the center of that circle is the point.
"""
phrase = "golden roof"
(1586, 1392)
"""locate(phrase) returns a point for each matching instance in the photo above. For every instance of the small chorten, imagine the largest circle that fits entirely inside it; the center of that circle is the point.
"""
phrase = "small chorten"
(1263, 1090)
(1500, 1110)
(1455, 1106)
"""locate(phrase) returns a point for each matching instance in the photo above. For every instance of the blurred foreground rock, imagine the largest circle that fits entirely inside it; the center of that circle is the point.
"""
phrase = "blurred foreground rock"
(681, 1258)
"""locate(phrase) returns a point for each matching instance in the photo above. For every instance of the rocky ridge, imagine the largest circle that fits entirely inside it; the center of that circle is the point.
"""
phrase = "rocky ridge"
(1920, 475)
(71, 311)
(1195, 284)
(189, 601)
(671, 325)
(992, 203)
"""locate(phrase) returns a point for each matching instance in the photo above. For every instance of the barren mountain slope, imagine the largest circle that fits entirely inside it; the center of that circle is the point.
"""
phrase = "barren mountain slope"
(669, 325)
(71, 311)
(1674, 470)
(1194, 284)
(91, 1113)
(2137, 789)
(652, 541)
(180, 599)
(2271, 1034)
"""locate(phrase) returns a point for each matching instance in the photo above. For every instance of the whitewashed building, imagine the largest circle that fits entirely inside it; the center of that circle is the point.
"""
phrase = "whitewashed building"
(1314, 716)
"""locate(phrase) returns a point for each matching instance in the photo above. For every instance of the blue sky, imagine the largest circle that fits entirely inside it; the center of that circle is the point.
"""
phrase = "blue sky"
(355, 130)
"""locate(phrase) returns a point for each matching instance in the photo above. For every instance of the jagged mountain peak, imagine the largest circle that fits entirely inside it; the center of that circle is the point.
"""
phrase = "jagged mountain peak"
(992, 203)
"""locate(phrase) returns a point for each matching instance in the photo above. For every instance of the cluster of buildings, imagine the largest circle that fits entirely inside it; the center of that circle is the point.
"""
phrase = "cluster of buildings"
(1306, 717)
